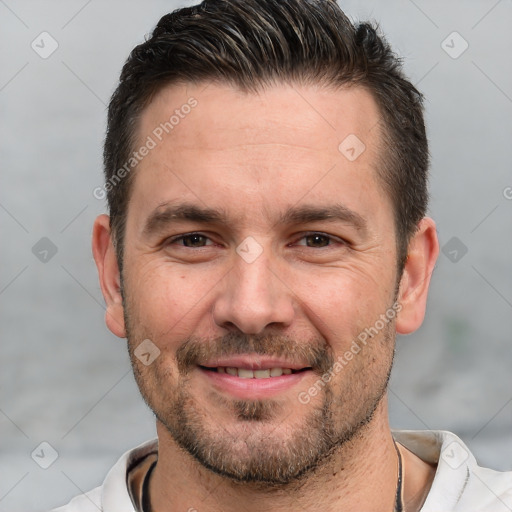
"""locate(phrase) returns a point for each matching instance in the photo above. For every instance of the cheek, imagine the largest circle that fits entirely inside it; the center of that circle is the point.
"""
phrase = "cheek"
(340, 302)
(170, 296)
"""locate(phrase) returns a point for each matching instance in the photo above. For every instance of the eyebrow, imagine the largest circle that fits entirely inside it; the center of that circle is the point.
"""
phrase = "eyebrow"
(337, 212)
(164, 215)
(168, 214)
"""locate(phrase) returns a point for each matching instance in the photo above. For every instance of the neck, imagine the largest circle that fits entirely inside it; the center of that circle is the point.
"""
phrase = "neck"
(360, 475)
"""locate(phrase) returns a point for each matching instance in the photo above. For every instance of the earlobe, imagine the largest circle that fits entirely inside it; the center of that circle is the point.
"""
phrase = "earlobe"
(414, 284)
(108, 272)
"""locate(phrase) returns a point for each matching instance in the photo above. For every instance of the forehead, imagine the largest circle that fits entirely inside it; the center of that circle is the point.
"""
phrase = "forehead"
(258, 152)
(316, 117)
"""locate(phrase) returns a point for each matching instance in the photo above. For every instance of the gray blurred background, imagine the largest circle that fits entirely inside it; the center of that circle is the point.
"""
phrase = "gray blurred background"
(65, 380)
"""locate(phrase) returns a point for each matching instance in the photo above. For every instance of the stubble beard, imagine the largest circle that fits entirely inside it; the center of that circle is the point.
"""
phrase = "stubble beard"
(263, 449)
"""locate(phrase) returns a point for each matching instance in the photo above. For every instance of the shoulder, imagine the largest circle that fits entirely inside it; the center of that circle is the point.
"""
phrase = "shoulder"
(88, 502)
(460, 483)
(493, 489)
(490, 490)
(113, 495)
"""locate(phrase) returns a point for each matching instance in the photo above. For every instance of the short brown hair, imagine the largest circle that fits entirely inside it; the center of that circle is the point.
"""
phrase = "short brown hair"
(256, 43)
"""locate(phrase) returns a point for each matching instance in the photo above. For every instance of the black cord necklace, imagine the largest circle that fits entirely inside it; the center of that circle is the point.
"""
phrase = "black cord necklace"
(399, 506)
(145, 501)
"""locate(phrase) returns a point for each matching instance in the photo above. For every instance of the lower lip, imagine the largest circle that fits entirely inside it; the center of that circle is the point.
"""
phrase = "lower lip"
(254, 389)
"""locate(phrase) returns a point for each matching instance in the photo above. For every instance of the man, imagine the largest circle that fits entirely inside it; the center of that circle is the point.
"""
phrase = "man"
(266, 171)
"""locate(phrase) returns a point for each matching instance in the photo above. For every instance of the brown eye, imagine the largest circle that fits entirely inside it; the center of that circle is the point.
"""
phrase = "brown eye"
(194, 240)
(317, 240)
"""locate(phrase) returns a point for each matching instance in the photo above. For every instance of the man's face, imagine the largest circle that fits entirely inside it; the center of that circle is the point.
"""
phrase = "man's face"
(257, 250)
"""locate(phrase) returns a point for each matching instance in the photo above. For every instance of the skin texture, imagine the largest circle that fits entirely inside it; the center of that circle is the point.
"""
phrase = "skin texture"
(312, 289)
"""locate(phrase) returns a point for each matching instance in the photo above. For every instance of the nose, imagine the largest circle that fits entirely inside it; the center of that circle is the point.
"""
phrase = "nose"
(253, 296)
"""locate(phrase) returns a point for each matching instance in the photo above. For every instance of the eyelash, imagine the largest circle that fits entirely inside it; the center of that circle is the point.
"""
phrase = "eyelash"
(330, 238)
(184, 236)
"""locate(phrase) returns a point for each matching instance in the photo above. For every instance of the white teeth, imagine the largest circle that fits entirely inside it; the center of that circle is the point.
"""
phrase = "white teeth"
(244, 373)
(260, 374)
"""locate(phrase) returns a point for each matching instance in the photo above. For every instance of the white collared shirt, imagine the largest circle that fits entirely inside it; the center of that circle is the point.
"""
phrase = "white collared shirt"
(460, 485)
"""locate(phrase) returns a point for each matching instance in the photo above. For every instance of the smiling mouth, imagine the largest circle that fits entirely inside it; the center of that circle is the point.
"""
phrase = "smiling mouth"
(246, 373)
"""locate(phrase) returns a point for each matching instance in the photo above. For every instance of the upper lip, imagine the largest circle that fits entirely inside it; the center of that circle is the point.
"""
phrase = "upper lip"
(252, 362)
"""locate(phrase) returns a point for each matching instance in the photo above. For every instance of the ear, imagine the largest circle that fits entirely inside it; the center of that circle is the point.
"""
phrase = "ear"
(421, 258)
(108, 272)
